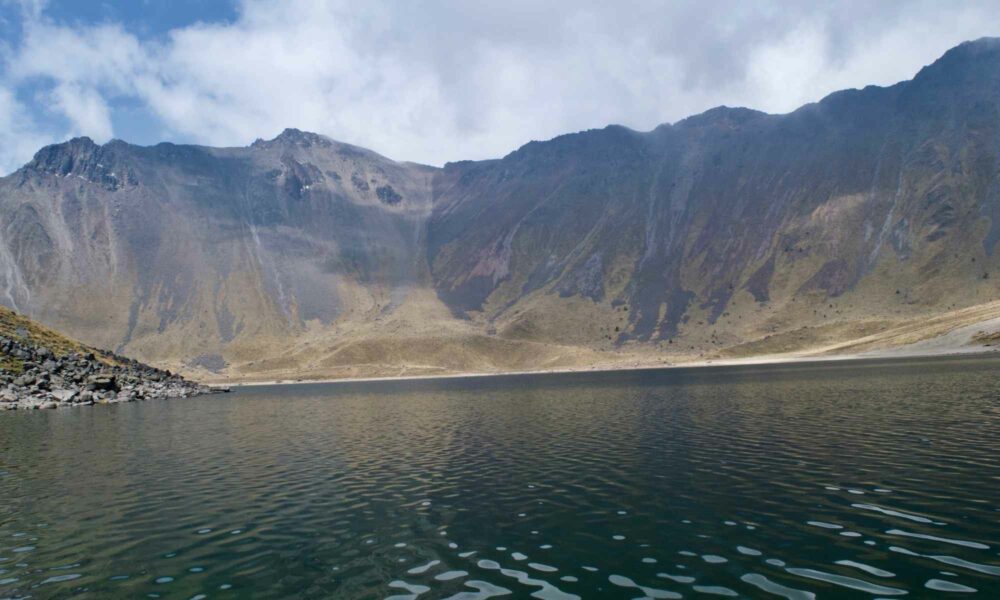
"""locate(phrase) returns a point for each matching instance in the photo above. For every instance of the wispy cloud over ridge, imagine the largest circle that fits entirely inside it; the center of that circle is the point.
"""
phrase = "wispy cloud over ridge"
(438, 81)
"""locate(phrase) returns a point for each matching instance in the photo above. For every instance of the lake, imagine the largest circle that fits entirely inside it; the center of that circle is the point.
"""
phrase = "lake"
(838, 480)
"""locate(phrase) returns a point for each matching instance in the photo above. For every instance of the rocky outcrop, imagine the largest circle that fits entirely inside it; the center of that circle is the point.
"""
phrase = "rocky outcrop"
(45, 380)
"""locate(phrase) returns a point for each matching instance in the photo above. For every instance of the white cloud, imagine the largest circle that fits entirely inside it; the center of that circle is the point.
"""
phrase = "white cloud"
(439, 81)
(82, 68)
(85, 109)
(19, 139)
(103, 55)
(802, 67)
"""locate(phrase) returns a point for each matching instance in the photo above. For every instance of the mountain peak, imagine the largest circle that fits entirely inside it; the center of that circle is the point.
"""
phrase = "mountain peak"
(729, 116)
(983, 44)
(81, 157)
(971, 51)
(63, 153)
(969, 61)
(78, 143)
(294, 137)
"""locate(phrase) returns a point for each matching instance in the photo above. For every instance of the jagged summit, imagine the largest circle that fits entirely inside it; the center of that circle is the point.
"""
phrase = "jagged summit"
(72, 145)
(295, 137)
(80, 157)
(292, 139)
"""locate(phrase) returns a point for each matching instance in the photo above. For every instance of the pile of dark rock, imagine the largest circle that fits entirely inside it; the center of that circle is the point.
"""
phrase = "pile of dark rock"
(79, 379)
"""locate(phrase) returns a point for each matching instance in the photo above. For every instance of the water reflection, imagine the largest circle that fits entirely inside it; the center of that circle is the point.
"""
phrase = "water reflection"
(793, 482)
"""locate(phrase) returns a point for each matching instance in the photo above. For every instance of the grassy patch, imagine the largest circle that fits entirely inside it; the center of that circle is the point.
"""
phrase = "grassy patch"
(25, 331)
(11, 364)
(989, 338)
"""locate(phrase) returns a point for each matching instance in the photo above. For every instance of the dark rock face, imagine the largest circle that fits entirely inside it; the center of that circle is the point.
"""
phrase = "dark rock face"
(209, 362)
(388, 195)
(182, 252)
(75, 379)
(83, 159)
(359, 183)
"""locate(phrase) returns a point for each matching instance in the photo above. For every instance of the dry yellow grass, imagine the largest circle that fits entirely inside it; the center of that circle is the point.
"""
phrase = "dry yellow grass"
(394, 347)
(18, 327)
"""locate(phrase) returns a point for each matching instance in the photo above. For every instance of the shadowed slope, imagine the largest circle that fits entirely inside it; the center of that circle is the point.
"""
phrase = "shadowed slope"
(737, 213)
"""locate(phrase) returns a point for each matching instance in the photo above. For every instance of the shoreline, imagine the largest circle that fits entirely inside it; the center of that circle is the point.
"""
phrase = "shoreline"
(699, 364)
(967, 331)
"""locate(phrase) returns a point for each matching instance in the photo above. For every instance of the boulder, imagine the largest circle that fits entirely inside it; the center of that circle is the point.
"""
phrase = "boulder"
(64, 395)
(102, 383)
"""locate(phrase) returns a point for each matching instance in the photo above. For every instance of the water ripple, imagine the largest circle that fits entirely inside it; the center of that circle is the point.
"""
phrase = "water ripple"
(794, 482)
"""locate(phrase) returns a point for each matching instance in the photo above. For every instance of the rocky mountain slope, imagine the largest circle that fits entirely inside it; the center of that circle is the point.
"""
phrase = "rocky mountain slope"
(871, 202)
(182, 251)
(40, 368)
(868, 210)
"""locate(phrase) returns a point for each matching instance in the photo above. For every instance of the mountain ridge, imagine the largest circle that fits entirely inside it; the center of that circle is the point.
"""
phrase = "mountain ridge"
(958, 53)
(879, 204)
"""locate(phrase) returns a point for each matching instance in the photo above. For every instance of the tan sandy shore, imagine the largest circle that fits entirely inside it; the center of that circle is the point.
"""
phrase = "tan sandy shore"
(759, 360)
(969, 330)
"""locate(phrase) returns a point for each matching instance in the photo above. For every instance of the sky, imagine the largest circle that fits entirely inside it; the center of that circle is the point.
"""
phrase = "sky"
(437, 81)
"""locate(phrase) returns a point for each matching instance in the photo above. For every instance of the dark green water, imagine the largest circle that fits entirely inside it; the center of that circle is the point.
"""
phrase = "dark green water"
(872, 479)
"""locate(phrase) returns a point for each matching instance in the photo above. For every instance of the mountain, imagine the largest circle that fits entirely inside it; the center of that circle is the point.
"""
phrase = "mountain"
(729, 233)
(734, 212)
(171, 250)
